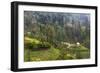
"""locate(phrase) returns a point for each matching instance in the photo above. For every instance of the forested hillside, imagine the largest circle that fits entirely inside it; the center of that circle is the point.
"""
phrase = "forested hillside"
(56, 36)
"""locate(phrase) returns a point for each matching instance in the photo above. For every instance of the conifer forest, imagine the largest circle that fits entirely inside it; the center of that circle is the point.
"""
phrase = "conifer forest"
(56, 36)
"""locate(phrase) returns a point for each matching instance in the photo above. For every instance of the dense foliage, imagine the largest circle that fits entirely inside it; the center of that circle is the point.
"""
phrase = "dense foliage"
(56, 36)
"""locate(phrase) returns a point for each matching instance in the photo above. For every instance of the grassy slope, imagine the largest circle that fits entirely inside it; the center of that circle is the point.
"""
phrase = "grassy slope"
(74, 52)
(50, 54)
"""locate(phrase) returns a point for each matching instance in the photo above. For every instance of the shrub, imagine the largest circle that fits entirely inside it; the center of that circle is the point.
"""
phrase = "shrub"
(53, 54)
(44, 45)
(69, 56)
(29, 45)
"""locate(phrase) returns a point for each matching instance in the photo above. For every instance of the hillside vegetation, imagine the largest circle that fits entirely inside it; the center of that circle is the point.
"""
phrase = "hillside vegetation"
(56, 36)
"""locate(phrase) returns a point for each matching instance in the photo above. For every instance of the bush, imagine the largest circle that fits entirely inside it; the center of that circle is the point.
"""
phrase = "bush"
(29, 45)
(53, 54)
(44, 45)
(69, 56)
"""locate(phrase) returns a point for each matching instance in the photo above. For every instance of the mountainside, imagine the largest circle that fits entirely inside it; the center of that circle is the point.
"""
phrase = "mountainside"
(55, 18)
(68, 27)
(56, 36)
